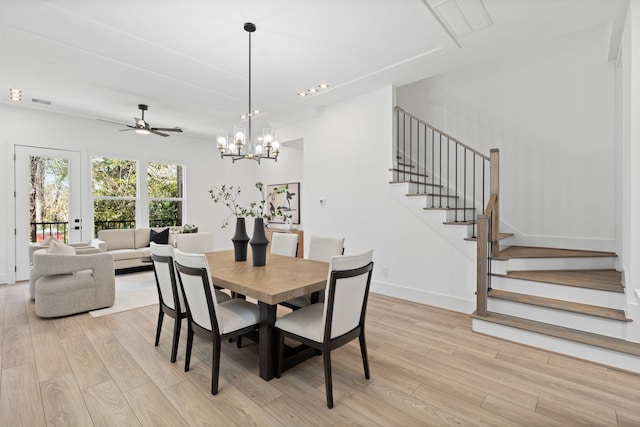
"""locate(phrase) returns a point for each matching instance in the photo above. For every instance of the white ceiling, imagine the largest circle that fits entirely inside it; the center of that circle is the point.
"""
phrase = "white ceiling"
(188, 60)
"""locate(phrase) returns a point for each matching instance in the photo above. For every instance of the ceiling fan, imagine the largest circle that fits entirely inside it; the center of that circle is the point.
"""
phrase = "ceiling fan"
(143, 126)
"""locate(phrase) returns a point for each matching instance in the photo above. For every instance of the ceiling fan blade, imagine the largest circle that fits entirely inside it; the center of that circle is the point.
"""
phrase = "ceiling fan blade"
(111, 121)
(155, 132)
(132, 128)
(175, 129)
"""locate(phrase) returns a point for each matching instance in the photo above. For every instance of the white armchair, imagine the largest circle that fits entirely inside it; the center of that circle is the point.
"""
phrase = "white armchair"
(69, 284)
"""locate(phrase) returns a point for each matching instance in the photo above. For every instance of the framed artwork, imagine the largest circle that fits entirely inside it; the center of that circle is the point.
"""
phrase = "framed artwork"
(289, 202)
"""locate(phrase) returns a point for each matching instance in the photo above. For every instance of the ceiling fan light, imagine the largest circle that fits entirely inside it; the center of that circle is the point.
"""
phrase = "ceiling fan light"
(143, 131)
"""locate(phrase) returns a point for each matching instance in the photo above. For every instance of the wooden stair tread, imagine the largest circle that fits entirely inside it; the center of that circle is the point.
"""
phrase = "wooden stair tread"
(574, 307)
(409, 172)
(540, 252)
(467, 222)
(609, 343)
(444, 208)
(410, 181)
(433, 194)
(500, 237)
(604, 280)
(406, 165)
(420, 194)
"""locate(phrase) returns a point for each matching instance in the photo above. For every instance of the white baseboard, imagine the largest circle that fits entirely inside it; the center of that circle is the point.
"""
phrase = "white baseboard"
(448, 302)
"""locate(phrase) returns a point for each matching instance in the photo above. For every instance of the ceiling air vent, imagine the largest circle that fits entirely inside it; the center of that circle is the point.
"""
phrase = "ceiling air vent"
(41, 101)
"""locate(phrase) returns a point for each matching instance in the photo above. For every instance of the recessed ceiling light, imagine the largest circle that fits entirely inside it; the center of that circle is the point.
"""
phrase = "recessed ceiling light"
(313, 90)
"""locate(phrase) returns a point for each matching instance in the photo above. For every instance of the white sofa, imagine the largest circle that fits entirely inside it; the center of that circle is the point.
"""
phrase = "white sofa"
(129, 247)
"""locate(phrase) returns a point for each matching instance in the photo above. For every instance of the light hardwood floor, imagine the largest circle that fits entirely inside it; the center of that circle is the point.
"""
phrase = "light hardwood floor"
(427, 368)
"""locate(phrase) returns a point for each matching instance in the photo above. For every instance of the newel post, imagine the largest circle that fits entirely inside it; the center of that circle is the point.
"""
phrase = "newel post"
(494, 189)
(482, 260)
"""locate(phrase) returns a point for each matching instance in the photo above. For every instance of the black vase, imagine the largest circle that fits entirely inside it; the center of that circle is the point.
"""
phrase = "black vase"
(259, 244)
(240, 240)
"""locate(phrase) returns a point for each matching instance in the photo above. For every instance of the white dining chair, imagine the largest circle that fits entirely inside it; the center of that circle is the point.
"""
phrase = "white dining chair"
(323, 248)
(169, 293)
(209, 318)
(335, 322)
(284, 244)
(320, 249)
(196, 243)
(169, 297)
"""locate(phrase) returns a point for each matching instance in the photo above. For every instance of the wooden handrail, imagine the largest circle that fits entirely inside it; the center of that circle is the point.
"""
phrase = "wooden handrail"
(493, 199)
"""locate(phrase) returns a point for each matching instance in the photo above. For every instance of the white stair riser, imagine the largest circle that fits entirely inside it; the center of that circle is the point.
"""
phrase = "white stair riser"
(578, 263)
(561, 292)
(558, 345)
(581, 322)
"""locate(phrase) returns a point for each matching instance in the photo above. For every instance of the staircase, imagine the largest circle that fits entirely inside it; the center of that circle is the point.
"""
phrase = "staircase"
(568, 301)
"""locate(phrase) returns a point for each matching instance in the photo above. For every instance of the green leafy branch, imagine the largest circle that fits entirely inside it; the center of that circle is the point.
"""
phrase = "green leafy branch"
(228, 196)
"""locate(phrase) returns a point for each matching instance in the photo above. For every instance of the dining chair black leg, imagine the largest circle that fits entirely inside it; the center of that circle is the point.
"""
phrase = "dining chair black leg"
(176, 338)
(215, 366)
(159, 327)
(326, 356)
(365, 358)
(187, 356)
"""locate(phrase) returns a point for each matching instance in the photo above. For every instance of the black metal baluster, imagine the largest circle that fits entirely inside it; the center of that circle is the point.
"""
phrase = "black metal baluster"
(440, 180)
(433, 169)
(464, 186)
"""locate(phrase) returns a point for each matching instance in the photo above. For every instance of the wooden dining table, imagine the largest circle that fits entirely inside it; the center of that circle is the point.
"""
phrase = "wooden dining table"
(281, 279)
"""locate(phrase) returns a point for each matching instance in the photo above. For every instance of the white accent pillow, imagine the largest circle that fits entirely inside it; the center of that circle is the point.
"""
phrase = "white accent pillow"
(49, 241)
(60, 248)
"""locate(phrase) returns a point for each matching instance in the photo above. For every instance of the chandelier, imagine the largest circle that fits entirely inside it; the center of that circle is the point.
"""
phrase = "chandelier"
(240, 145)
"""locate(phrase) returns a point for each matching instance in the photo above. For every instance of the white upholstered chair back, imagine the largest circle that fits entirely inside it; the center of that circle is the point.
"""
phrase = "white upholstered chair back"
(193, 287)
(323, 248)
(349, 294)
(163, 271)
(195, 243)
(284, 244)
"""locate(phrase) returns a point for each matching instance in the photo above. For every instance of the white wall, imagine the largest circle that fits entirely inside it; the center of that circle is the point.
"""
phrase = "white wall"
(550, 109)
(347, 154)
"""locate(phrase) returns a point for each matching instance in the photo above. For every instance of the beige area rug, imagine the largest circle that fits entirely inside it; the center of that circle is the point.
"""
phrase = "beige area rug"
(133, 290)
